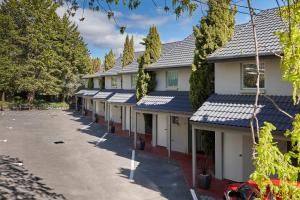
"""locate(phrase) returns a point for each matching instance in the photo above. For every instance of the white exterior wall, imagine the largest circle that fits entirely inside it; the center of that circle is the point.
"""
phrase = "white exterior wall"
(108, 82)
(228, 78)
(140, 123)
(126, 81)
(100, 108)
(85, 83)
(115, 113)
(183, 79)
(88, 104)
(233, 152)
(179, 135)
(96, 82)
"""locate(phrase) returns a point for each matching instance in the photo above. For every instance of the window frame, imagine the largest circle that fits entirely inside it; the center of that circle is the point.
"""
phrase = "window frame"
(243, 88)
(133, 86)
(167, 85)
(114, 82)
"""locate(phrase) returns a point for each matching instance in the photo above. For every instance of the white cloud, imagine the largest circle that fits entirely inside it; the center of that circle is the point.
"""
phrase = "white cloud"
(142, 21)
(98, 30)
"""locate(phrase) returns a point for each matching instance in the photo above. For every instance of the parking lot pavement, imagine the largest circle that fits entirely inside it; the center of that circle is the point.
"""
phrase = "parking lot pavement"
(83, 164)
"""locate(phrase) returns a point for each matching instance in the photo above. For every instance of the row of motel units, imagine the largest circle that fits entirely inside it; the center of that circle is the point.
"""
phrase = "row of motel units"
(165, 115)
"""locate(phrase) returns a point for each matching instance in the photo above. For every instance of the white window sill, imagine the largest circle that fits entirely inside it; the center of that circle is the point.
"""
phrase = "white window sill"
(252, 91)
(172, 89)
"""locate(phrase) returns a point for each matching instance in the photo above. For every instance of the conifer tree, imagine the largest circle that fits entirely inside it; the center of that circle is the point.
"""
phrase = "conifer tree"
(215, 29)
(128, 52)
(131, 44)
(109, 60)
(146, 81)
(49, 53)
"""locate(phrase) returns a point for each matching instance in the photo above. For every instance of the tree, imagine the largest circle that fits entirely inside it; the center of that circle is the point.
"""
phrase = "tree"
(215, 29)
(268, 159)
(109, 61)
(128, 52)
(145, 80)
(96, 65)
(48, 54)
(153, 44)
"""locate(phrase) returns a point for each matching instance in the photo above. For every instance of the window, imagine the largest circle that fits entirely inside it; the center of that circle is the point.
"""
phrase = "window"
(114, 83)
(175, 120)
(172, 79)
(133, 81)
(249, 76)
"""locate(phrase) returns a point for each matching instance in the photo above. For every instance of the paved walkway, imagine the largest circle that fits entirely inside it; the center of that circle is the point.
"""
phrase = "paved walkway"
(69, 158)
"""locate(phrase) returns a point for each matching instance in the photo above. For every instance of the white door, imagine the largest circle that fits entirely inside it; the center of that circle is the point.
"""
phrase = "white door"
(179, 140)
(162, 130)
(233, 160)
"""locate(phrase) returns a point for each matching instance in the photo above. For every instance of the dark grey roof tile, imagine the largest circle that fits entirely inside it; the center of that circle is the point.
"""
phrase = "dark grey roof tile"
(166, 101)
(236, 111)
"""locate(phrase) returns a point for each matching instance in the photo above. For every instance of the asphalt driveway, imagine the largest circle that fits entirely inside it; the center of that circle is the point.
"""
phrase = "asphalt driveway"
(81, 165)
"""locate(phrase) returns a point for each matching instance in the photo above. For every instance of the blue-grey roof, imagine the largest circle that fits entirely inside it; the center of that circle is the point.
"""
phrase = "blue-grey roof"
(180, 55)
(166, 101)
(236, 111)
(86, 92)
(115, 69)
(242, 44)
(105, 94)
(133, 67)
(124, 97)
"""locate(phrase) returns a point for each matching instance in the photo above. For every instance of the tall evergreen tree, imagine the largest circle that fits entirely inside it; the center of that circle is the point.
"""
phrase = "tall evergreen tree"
(146, 81)
(215, 29)
(109, 61)
(49, 54)
(128, 52)
(131, 44)
(96, 65)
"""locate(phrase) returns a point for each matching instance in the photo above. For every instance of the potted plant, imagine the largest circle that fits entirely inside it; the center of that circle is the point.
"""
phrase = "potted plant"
(141, 143)
(204, 179)
(96, 118)
(112, 127)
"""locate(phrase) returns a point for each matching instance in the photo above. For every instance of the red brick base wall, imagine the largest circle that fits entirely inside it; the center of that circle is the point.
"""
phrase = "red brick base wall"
(89, 113)
(101, 120)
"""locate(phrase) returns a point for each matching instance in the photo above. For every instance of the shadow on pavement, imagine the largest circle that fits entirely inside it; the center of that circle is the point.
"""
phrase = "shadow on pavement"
(17, 183)
(158, 174)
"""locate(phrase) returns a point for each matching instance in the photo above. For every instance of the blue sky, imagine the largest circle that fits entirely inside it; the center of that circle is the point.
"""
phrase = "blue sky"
(102, 34)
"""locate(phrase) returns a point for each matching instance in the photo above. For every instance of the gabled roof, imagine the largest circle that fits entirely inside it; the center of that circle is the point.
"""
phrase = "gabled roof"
(115, 69)
(132, 67)
(242, 44)
(123, 97)
(236, 111)
(87, 92)
(166, 101)
(180, 55)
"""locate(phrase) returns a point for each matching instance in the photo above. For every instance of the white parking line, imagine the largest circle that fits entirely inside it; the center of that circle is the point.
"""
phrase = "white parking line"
(87, 126)
(193, 194)
(132, 167)
(3, 140)
(102, 139)
(9, 127)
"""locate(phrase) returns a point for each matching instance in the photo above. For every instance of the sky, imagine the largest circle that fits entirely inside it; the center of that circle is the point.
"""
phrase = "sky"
(102, 34)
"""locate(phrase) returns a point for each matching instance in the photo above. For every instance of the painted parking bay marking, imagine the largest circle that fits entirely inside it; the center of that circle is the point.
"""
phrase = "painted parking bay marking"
(193, 194)
(3, 140)
(132, 167)
(102, 139)
(87, 126)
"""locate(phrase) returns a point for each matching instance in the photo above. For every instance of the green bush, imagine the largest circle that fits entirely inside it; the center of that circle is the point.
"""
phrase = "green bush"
(4, 104)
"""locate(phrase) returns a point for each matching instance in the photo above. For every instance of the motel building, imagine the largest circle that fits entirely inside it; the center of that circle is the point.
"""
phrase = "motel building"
(225, 116)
